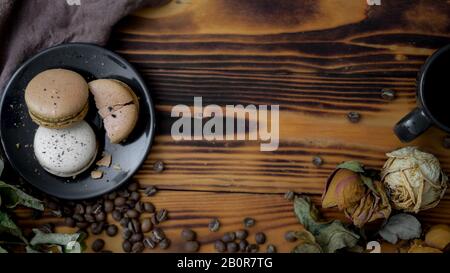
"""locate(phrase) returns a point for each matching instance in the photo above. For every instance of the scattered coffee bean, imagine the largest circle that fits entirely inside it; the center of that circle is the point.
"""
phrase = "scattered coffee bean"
(446, 142)
(158, 234)
(249, 222)
(97, 228)
(109, 206)
(112, 230)
(126, 246)
(220, 246)
(135, 225)
(137, 237)
(100, 217)
(146, 225)
(290, 236)
(243, 245)
(70, 222)
(98, 245)
(139, 207)
(130, 203)
(229, 237)
(47, 228)
(232, 247)
(112, 195)
(354, 117)
(137, 247)
(154, 220)
(191, 246)
(252, 248)
(124, 222)
(79, 209)
(97, 208)
(89, 210)
(158, 166)
(387, 94)
(119, 201)
(133, 186)
(78, 217)
(271, 249)
(82, 225)
(241, 234)
(149, 243)
(126, 234)
(124, 193)
(135, 196)
(214, 225)
(149, 207)
(150, 191)
(89, 218)
(117, 215)
(164, 244)
(260, 238)
(290, 195)
(162, 215)
(188, 235)
(132, 214)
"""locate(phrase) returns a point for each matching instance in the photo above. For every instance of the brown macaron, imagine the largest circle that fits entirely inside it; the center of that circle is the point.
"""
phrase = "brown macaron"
(118, 105)
(57, 98)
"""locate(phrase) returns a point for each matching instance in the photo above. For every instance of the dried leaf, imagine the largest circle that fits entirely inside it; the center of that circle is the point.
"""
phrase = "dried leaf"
(330, 235)
(353, 166)
(2, 250)
(401, 227)
(8, 226)
(68, 242)
(12, 196)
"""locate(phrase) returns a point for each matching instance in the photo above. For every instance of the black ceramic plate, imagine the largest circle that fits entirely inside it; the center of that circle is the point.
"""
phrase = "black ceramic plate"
(17, 130)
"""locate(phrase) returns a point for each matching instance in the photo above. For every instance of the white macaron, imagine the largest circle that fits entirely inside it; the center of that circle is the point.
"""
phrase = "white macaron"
(66, 152)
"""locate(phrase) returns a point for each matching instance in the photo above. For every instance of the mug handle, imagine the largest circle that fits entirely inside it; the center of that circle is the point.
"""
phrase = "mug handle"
(412, 125)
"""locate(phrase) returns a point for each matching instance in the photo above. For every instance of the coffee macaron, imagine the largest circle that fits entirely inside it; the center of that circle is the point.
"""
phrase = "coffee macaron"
(118, 106)
(66, 152)
(57, 98)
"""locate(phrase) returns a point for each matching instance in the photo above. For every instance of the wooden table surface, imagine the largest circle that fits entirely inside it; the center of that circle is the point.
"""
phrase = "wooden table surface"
(317, 59)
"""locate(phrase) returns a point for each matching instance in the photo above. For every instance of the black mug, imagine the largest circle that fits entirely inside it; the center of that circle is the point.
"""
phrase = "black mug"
(433, 97)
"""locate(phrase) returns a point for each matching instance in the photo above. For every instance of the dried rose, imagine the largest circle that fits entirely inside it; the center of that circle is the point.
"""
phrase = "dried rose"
(438, 236)
(418, 247)
(353, 191)
(414, 179)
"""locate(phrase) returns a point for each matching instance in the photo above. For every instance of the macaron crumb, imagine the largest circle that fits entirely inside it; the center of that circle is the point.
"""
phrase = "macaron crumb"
(105, 161)
(96, 174)
(17, 146)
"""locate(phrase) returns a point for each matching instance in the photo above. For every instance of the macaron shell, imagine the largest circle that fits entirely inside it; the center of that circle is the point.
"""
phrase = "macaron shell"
(66, 152)
(109, 93)
(120, 124)
(64, 123)
(56, 94)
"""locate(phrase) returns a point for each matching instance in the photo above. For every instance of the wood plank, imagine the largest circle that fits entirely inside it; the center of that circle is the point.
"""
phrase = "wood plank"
(273, 214)
(317, 59)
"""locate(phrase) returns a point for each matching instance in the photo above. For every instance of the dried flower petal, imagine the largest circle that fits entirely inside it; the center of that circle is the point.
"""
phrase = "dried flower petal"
(401, 227)
(438, 236)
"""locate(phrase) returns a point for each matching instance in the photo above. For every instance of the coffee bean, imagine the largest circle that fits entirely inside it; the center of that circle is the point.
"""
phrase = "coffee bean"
(220, 246)
(109, 206)
(100, 217)
(154, 220)
(124, 193)
(249, 222)
(137, 247)
(214, 225)
(146, 225)
(47, 228)
(188, 235)
(135, 225)
(271, 249)
(122, 209)
(150, 191)
(232, 247)
(387, 94)
(98, 245)
(82, 235)
(69, 221)
(243, 245)
(78, 217)
(126, 246)
(290, 194)
(241, 234)
(130, 203)
(162, 215)
(52, 205)
(112, 230)
(158, 234)
(119, 201)
(446, 142)
(89, 218)
(149, 207)
(97, 228)
(290, 236)
(191, 246)
(133, 187)
(82, 225)
(137, 237)
(126, 234)
(135, 196)
(252, 248)
(79, 209)
(164, 244)
(66, 211)
(89, 210)
(354, 117)
(149, 243)
(132, 214)
(97, 208)
(260, 238)
(229, 237)
(158, 166)
(112, 196)
(317, 161)
(124, 222)
(139, 207)
(117, 215)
